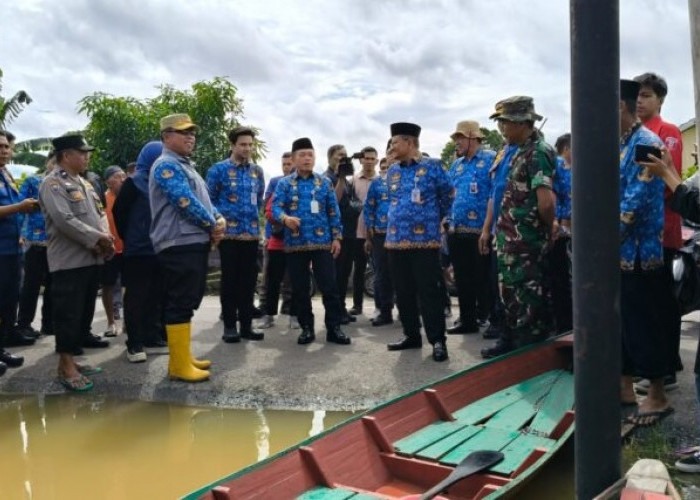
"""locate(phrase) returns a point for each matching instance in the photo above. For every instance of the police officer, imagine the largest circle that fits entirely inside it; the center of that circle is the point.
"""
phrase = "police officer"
(307, 206)
(236, 187)
(420, 197)
(79, 241)
(524, 228)
(184, 223)
(469, 175)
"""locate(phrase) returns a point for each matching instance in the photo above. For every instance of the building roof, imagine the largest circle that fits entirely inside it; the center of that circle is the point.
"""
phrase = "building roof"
(689, 124)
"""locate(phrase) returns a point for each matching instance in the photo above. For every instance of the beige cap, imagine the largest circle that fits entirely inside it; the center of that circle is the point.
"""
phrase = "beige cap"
(180, 121)
(469, 129)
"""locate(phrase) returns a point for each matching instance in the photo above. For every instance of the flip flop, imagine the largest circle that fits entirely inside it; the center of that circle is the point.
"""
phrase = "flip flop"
(654, 416)
(76, 384)
(88, 370)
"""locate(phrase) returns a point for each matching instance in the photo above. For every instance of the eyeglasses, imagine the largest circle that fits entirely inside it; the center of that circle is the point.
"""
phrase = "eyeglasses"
(189, 133)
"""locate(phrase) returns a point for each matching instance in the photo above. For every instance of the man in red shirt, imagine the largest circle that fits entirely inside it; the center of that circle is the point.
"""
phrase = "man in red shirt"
(649, 101)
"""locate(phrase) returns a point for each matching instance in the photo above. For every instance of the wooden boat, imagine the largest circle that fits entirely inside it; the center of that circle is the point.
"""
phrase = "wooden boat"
(520, 404)
(647, 479)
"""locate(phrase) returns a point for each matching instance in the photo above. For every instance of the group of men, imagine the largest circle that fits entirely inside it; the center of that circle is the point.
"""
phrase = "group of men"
(505, 218)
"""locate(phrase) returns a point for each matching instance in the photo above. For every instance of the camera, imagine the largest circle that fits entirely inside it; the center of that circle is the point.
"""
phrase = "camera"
(345, 166)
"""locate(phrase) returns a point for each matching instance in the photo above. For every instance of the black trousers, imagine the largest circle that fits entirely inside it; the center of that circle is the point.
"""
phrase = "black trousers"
(420, 288)
(274, 277)
(324, 271)
(74, 292)
(471, 271)
(36, 273)
(558, 268)
(185, 278)
(343, 268)
(9, 293)
(285, 288)
(497, 308)
(674, 315)
(143, 300)
(359, 263)
(239, 274)
(383, 285)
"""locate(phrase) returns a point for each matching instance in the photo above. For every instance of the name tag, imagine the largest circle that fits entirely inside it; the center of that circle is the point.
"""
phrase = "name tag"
(253, 199)
(473, 188)
(314, 207)
(415, 195)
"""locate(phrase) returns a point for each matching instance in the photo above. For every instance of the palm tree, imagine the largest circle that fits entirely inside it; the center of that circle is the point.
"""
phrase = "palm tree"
(12, 107)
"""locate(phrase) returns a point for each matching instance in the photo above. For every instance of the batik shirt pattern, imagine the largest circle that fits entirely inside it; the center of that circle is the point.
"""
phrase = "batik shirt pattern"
(376, 208)
(10, 225)
(33, 224)
(520, 229)
(499, 178)
(641, 206)
(472, 187)
(562, 188)
(237, 193)
(420, 197)
(313, 201)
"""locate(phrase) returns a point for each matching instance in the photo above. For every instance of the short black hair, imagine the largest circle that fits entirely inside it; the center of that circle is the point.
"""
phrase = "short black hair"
(333, 149)
(631, 105)
(287, 154)
(654, 82)
(563, 141)
(237, 132)
(369, 149)
(8, 135)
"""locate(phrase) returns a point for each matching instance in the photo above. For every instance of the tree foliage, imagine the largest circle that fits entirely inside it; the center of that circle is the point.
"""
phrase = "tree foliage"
(12, 107)
(120, 126)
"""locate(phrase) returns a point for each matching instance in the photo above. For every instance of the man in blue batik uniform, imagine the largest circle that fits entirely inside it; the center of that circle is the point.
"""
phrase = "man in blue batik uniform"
(469, 176)
(184, 224)
(236, 187)
(645, 287)
(304, 202)
(420, 198)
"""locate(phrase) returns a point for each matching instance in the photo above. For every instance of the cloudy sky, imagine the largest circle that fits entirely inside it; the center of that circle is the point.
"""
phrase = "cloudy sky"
(335, 71)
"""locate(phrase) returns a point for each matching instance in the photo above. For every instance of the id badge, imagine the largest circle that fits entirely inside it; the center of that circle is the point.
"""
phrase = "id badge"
(415, 195)
(253, 199)
(314, 207)
(473, 187)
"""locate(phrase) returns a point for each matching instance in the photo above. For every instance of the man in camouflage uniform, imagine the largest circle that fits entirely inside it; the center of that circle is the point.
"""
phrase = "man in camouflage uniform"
(523, 229)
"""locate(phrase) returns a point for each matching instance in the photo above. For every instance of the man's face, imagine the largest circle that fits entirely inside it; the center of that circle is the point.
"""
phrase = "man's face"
(181, 142)
(369, 161)
(511, 130)
(287, 165)
(566, 154)
(304, 159)
(400, 148)
(383, 166)
(465, 144)
(648, 104)
(335, 157)
(5, 151)
(243, 148)
(76, 160)
(114, 183)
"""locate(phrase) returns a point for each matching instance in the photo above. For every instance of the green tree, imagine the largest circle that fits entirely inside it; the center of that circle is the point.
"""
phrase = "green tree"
(120, 126)
(448, 154)
(12, 107)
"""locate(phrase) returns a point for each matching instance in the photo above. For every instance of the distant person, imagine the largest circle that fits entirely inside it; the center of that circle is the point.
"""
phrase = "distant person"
(114, 177)
(79, 243)
(184, 225)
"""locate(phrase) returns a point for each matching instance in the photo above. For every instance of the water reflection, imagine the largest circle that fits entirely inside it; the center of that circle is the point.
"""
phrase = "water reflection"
(55, 447)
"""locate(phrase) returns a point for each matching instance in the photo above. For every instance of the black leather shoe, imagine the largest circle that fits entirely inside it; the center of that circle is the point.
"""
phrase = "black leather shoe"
(3, 368)
(337, 336)
(406, 343)
(28, 331)
(251, 334)
(306, 336)
(258, 313)
(382, 320)
(498, 349)
(492, 332)
(355, 311)
(9, 360)
(439, 351)
(94, 341)
(231, 335)
(16, 339)
(462, 328)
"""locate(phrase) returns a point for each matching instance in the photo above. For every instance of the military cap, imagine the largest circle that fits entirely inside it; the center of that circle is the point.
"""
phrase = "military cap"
(179, 121)
(629, 89)
(302, 143)
(469, 129)
(70, 141)
(518, 108)
(498, 109)
(403, 128)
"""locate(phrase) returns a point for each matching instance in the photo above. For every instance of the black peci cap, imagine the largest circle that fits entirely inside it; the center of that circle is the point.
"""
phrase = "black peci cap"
(404, 128)
(303, 143)
(629, 89)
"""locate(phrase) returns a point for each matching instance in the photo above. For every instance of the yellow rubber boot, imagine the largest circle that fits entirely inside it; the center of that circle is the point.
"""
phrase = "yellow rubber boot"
(179, 365)
(202, 364)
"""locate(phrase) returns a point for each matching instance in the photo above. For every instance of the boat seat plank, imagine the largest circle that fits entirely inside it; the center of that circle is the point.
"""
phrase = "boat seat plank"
(559, 400)
(487, 439)
(446, 444)
(518, 450)
(324, 493)
(427, 436)
(516, 415)
(484, 408)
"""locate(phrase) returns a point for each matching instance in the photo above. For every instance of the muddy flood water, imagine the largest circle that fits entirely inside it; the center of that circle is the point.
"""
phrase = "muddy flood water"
(61, 447)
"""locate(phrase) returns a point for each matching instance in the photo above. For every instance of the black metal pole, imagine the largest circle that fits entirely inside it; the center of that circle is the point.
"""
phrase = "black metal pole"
(595, 73)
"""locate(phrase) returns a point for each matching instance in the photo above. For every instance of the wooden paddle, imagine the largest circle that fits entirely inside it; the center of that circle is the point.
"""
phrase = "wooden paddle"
(472, 463)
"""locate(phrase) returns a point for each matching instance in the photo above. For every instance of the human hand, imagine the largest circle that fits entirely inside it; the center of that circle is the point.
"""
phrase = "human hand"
(368, 246)
(335, 248)
(27, 205)
(484, 243)
(292, 223)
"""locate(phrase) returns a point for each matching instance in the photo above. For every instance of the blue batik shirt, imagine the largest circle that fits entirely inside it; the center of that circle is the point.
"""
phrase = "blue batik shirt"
(269, 191)
(33, 225)
(376, 207)
(420, 196)
(471, 181)
(562, 188)
(237, 193)
(641, 205)
(297, 197)
(499, 178)
(11, 224)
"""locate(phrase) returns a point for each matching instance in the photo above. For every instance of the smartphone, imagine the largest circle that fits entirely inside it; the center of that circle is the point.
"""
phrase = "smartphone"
(641, 152)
